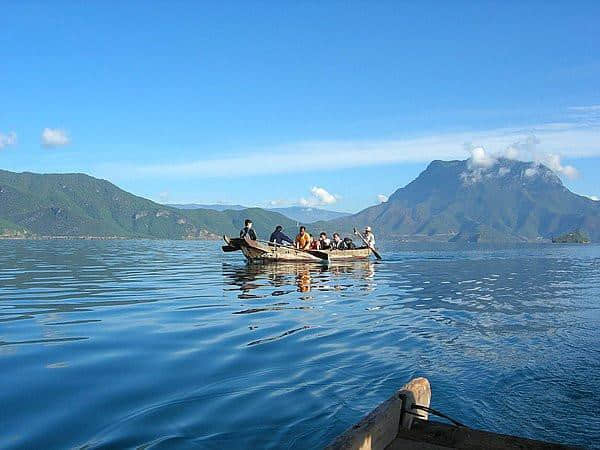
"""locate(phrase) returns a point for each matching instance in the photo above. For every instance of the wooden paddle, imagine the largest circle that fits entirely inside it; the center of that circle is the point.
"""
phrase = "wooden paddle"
(377, 255)
(229, 248)
(319, 254)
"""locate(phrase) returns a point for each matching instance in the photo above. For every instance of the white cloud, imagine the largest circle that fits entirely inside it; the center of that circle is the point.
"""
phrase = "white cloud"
(587, 108)
(511, 152)
(552, 161)
(319, 197)
(324, 197)
(480, 158)
(572, 140)
(7, 139)
(382, 198)
(54, 137)
(277, 203)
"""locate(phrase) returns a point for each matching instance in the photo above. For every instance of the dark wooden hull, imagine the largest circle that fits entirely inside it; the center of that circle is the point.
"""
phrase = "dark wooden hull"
(257, 251)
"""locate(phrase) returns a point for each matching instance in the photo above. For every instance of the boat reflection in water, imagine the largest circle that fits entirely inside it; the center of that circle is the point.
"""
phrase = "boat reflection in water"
(280, 300)
(260, 280)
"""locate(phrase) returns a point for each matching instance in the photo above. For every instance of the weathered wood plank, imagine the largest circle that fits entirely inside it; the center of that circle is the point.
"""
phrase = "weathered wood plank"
(378, 429)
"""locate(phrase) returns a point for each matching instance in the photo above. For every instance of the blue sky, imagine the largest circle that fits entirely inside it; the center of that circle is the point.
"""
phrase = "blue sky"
(260, 102)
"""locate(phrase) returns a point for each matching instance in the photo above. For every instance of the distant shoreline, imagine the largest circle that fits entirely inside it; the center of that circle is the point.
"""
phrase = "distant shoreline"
(399, 239)
(97, 238)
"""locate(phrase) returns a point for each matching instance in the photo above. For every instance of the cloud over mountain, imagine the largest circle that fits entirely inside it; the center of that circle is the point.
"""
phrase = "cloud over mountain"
(319, 197)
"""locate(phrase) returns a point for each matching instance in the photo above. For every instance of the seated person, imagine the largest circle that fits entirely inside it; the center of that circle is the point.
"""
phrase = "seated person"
(278, 236)
(335, 242)
(347, 244)
(303, 239)
(324, 241)
(314, 243)
(247, 230)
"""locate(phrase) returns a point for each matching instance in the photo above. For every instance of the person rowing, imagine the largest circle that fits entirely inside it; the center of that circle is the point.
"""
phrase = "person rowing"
(369, 240)
(369, 237)
(303, 239)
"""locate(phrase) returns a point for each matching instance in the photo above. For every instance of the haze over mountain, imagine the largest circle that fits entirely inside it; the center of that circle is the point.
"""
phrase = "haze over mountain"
(307, 214)
(504, 200)
(80, 205)
(302, 214)
(213, 206)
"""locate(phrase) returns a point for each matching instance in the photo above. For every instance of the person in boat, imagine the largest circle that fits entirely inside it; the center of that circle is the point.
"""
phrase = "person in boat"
(324, 241)
(303, 239)
(314, 243)
(247, 230)
(335, 242)
(369, 237)
(347, 244)
(279, 237)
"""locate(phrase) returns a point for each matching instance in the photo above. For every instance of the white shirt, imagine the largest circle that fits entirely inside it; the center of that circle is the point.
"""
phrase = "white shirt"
(370, 238)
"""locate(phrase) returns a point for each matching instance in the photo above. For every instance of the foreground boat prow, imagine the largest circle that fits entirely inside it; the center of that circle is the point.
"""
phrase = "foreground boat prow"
(401, 422)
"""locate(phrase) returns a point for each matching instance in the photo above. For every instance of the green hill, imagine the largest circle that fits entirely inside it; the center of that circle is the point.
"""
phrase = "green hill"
(452, 200)
(79, 205)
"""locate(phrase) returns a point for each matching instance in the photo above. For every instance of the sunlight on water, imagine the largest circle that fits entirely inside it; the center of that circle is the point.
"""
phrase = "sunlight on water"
(128, 343)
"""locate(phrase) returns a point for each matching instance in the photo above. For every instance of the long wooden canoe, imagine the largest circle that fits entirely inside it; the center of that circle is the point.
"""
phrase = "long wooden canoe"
(401, 422)
(259, 251)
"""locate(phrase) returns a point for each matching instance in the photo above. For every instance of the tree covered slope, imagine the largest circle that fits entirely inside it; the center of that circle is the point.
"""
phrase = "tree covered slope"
(80, 205)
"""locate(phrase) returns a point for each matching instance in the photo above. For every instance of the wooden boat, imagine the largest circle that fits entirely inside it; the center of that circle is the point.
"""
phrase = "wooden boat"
(401, 422)
(261, 251)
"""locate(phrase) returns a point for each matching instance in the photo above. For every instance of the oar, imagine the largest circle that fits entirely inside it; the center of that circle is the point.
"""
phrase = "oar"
(318, 254)
(377, 255)
(229, 248)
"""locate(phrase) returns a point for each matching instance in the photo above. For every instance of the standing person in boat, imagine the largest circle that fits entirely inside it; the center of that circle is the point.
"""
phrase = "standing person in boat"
(336, 242)
(278, 236)
(303, 239)
(324, 241)
(247, 230)
(369, 237)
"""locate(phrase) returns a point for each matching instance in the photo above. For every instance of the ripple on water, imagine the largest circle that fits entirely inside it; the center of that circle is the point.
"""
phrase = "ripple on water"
(153, 343)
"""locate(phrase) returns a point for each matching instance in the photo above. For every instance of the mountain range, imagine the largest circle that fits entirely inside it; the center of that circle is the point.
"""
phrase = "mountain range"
(74, 205)
(457, 201)
(449, 201)
(301, 214)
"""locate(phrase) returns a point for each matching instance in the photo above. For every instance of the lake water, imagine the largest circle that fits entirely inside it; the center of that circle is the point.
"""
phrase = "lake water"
(174, 344)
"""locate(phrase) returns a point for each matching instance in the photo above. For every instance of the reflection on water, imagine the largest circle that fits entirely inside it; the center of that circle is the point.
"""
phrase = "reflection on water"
(124, 344)
(307, 276)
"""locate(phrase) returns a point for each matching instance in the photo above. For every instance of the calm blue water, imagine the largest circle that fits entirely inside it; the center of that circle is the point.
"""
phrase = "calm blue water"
(173, 344)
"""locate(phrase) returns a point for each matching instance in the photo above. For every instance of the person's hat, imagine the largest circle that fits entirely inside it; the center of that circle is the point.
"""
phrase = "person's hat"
(368, 229)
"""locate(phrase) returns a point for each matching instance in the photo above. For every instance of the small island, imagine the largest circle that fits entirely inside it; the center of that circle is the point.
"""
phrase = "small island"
(573, 237)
